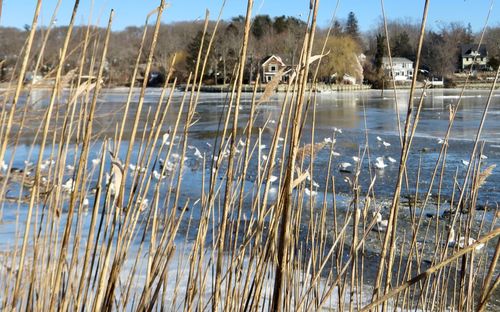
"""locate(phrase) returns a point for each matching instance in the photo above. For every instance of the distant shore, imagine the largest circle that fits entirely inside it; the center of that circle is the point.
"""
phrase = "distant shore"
(321, 88)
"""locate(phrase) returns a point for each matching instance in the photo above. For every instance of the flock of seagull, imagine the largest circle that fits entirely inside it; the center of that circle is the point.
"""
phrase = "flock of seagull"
(167, 166)
(379, 163)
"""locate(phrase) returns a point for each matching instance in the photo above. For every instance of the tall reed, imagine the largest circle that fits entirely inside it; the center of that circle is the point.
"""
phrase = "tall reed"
(110, 219)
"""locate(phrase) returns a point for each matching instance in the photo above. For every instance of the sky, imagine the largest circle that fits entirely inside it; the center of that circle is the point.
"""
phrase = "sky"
(17, 13)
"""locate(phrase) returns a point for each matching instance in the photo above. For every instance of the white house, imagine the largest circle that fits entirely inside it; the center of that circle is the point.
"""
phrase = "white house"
(402, 68)
(271, 65)
(473, 54)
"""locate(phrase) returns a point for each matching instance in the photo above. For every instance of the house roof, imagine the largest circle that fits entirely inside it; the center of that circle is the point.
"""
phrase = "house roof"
(397, 60)
(469, 49)
(271, 57)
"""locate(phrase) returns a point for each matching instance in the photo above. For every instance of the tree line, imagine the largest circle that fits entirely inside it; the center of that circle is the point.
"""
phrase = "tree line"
(281, 35)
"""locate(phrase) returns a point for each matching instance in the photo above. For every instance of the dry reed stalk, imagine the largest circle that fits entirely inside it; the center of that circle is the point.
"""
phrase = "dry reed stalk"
(284, 239)
(389, 237)
(486, 289)
(22, 122)
(90, 236)
(80, 177)
(227, 197)
(470, 248)
(140, 103)
(122, 244)
(244, 171)
(133, 78)
(309, 253)
(42, 147)
(20, 80)
(391, 66)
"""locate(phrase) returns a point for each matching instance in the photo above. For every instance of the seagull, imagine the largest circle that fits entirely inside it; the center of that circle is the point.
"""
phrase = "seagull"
(379, 163)
(169, 166)
(335, 154)
(344, 167)
(355, 158)
(45, 165)
(465, 162)
(264, 157)
(273, 178)
(335, 129)
(281, 139)
(68, 186)
(158, 175)
(392, 160)
(164, 139)
(241, 143)
(461, 241)
(95, 162)
(310, 193)
(85, 203)
(3, 165)
(440, 141)
(483, 157)
(329, 140)
(386, 144)
(143, 203)
(197, 152)
(379, 139)
(380, 225)
(262, 146)
(133, 167)
(314, 183)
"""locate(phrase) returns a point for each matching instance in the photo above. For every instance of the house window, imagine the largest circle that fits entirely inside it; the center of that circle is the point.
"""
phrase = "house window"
(268, 78)
(273, 68)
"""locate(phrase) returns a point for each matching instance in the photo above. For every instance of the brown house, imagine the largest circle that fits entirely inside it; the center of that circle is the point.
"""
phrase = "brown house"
(270, 66)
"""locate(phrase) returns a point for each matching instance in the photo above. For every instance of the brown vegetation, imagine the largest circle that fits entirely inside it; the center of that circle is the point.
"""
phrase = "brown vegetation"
(241, 250)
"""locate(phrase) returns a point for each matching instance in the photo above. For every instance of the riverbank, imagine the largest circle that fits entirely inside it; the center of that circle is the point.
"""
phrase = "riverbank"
(248, 88)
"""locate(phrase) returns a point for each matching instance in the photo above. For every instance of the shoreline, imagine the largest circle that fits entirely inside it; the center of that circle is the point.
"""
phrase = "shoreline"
(249, 88)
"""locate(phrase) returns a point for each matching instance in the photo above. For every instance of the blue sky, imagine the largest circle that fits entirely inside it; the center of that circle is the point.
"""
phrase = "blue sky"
(133, 12)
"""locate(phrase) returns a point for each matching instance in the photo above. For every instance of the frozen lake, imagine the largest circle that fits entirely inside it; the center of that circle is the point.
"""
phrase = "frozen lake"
(363, 124)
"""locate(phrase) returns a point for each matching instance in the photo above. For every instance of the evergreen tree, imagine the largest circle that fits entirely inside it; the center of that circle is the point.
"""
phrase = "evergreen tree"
(380, 51)
(401, 46)
(193, 48)
(261, 25)
(351, 27)
(280, 24)
(337, 28)
(494, 63)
